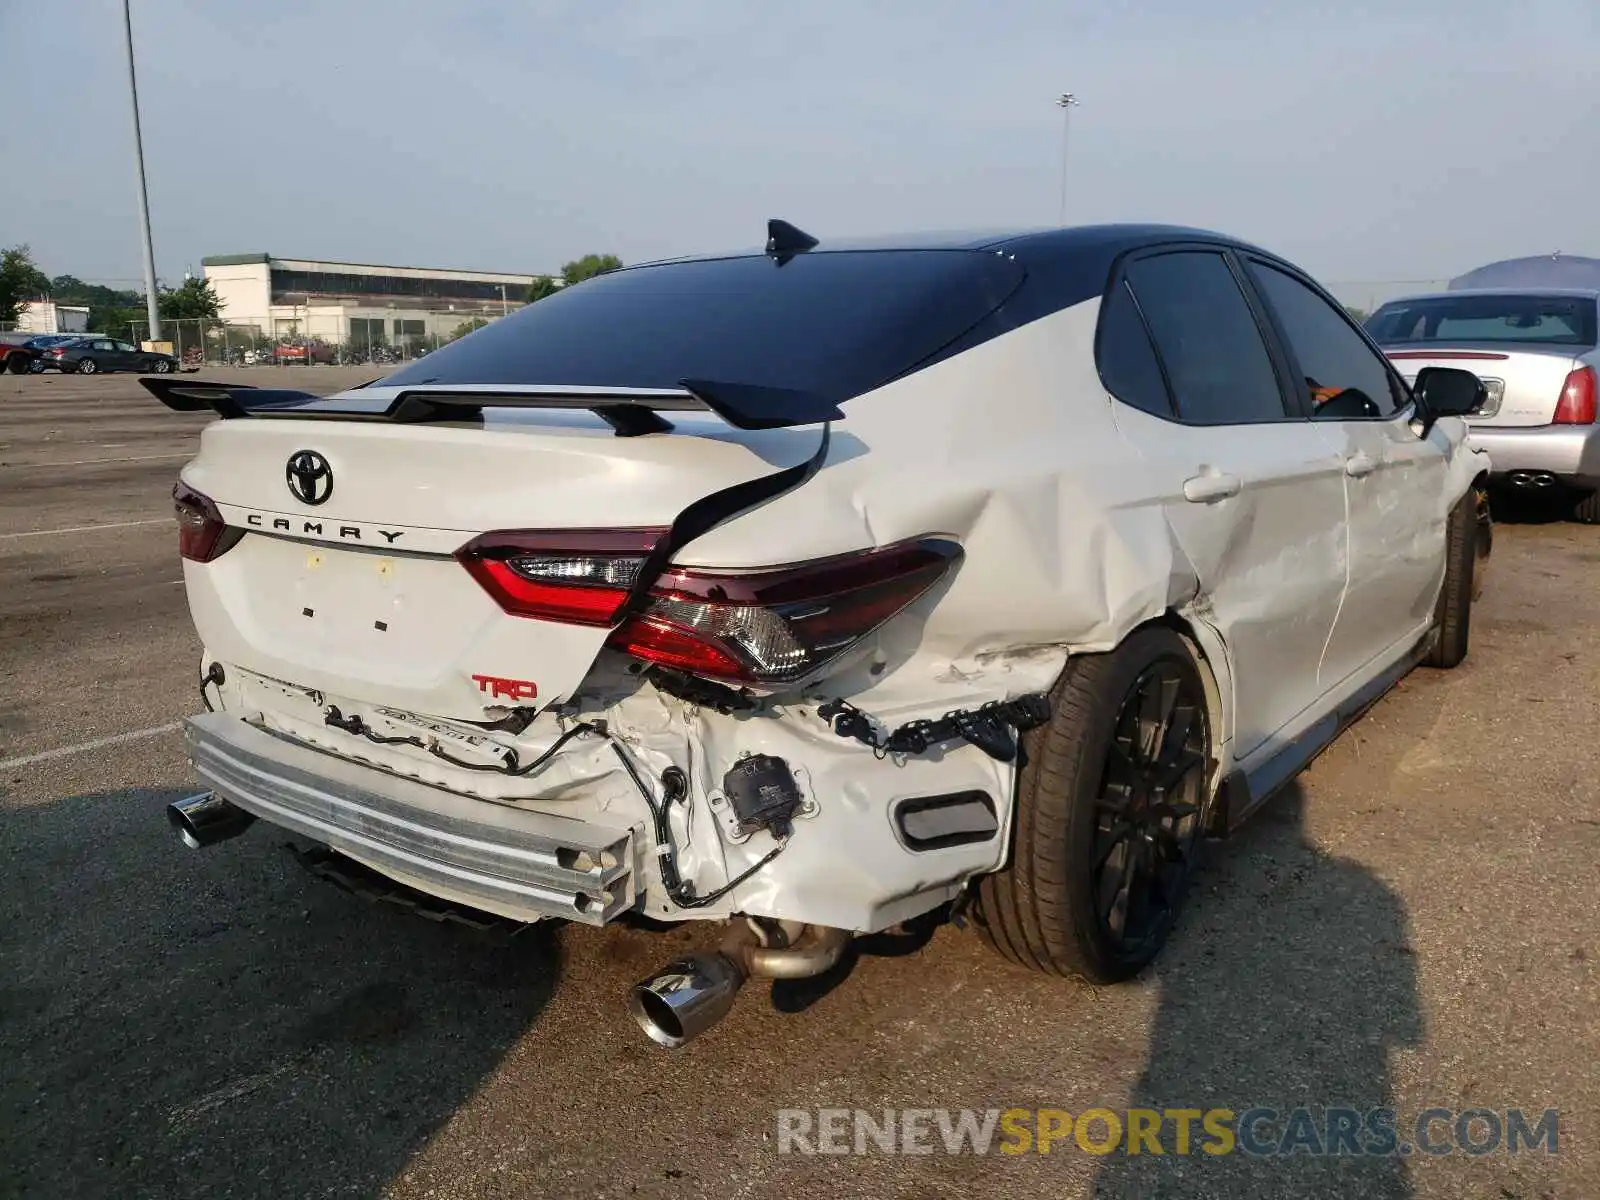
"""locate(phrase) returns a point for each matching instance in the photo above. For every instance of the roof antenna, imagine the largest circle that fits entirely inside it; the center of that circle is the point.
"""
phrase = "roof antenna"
(784, 240)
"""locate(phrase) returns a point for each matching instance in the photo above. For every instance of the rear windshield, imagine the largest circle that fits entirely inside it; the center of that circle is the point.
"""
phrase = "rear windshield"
(1558, 320)
(835, 324)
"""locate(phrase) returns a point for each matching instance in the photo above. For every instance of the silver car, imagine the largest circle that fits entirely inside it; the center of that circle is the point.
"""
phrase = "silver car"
(1535, 350)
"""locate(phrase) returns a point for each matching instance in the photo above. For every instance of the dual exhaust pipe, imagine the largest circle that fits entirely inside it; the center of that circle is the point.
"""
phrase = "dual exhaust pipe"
(1531, 481)
(676, 1004)
(691, 994)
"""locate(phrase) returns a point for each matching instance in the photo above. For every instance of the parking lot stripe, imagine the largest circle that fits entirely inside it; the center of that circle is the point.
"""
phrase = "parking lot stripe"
(28, 760)
(89, 462)
(85, 528)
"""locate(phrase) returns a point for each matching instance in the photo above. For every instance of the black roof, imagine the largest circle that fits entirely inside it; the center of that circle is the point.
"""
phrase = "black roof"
(832, 321)
(1077, 240)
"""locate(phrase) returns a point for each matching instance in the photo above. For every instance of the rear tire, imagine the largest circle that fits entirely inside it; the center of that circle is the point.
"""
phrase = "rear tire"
(1587, 509)
(1453, 612)
(88, 367)
(18, 364)
(1109, 809)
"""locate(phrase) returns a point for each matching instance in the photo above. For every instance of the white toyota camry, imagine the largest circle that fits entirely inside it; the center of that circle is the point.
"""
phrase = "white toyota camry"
(818, 587)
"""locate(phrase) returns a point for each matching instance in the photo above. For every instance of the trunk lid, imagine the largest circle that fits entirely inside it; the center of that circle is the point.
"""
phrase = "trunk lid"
(358, 596)
(1524, 380)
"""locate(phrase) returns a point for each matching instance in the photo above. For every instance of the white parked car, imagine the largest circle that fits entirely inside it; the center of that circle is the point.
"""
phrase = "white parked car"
(815, 588)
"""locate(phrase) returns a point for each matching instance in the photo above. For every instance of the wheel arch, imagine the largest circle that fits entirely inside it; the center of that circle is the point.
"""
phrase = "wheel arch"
(1216, 677)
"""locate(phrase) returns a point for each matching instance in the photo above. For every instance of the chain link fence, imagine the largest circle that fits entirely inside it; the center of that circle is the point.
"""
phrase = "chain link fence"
(336, 338)
(315, 339)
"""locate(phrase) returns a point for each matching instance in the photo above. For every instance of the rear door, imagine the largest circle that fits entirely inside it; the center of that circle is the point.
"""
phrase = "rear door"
(1394, 479)
(1253, 492)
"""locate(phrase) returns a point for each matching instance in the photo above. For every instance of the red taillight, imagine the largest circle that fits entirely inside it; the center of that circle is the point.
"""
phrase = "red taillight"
(1578, 395)
(202, 533)
(766, 626)
(57, 352)
(575, 576)
(776, 626)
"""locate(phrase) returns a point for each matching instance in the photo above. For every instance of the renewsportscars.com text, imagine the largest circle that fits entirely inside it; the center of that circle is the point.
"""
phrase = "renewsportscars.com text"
(1258, 1131)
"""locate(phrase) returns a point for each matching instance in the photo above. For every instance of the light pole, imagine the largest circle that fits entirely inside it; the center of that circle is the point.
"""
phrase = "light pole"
(1065, 102)
(144, 200)
(502, 299)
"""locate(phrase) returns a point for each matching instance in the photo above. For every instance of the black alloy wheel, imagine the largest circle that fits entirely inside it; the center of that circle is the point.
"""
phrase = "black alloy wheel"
(1148, 808)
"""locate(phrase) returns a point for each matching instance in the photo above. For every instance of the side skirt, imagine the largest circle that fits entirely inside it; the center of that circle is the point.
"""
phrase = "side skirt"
(1243, 792)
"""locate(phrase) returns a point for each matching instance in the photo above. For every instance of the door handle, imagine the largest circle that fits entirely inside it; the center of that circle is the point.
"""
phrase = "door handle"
(1203, 489)
(1360, 463)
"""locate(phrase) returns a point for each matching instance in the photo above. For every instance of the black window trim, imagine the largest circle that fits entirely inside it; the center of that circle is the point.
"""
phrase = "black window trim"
(1407, 408)
(1120, 282)
(1282, 367)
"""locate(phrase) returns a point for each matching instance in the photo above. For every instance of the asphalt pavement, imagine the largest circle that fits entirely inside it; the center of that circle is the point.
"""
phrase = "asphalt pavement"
(1412, 925)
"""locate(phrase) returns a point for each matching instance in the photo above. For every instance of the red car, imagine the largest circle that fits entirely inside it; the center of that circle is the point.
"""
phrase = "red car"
(315, 352)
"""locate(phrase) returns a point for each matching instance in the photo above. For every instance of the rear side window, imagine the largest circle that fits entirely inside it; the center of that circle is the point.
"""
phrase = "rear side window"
(1208, 339)
(1127, 360)
(833, 323)
(1344, 377)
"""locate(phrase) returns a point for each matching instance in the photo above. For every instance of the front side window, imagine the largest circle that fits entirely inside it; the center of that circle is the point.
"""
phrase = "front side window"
(1208, 339)
(124, 346)
(1343, 376)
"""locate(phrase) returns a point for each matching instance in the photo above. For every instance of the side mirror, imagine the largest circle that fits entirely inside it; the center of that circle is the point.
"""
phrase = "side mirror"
(1447, 392)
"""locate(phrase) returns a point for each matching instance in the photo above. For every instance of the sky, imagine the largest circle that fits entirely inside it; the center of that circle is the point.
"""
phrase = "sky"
(1406, 140)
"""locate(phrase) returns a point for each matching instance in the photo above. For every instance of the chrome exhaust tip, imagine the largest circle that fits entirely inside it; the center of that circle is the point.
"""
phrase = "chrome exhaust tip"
(691, 994)
(686, 997)
(1531, 480)
(207, 819)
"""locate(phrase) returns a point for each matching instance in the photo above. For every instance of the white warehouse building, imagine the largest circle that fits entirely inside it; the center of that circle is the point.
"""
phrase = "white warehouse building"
(356, 303)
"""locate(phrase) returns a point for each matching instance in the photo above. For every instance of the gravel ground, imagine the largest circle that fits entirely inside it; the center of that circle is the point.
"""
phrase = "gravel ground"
(1412, 925)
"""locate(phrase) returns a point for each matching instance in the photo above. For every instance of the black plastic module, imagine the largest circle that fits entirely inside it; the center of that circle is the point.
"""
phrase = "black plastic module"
(763, 793)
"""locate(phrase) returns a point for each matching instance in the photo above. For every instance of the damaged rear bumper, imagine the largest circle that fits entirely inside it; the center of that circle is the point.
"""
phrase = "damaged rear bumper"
(515, 863)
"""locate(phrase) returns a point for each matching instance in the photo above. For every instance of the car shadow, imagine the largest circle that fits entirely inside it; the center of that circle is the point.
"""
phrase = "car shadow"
(1512, 508)
(1289, 983)
(176, 1023)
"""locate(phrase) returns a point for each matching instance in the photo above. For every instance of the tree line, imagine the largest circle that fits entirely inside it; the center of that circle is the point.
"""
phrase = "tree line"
(111, 310)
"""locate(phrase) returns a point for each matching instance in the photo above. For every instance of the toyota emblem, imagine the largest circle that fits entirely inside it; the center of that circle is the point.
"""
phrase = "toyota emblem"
(309, 476)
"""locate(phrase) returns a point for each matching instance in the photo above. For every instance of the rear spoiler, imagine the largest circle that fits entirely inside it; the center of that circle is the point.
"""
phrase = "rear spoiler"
(630, 413)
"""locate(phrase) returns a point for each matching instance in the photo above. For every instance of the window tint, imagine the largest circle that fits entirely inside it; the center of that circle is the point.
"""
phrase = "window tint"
(834, 323)
(124, 346)
(1208, 339)
(1344, 377)
(102, 345)
(1127, 360)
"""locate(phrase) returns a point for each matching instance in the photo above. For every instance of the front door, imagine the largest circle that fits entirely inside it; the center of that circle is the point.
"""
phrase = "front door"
(1394, 479)
(1253, 492)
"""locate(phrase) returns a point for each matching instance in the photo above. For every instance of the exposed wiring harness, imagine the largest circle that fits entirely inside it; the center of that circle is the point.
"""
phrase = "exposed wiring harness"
(674, 788)
(214, 674)
(989, 727)
(354, 724)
